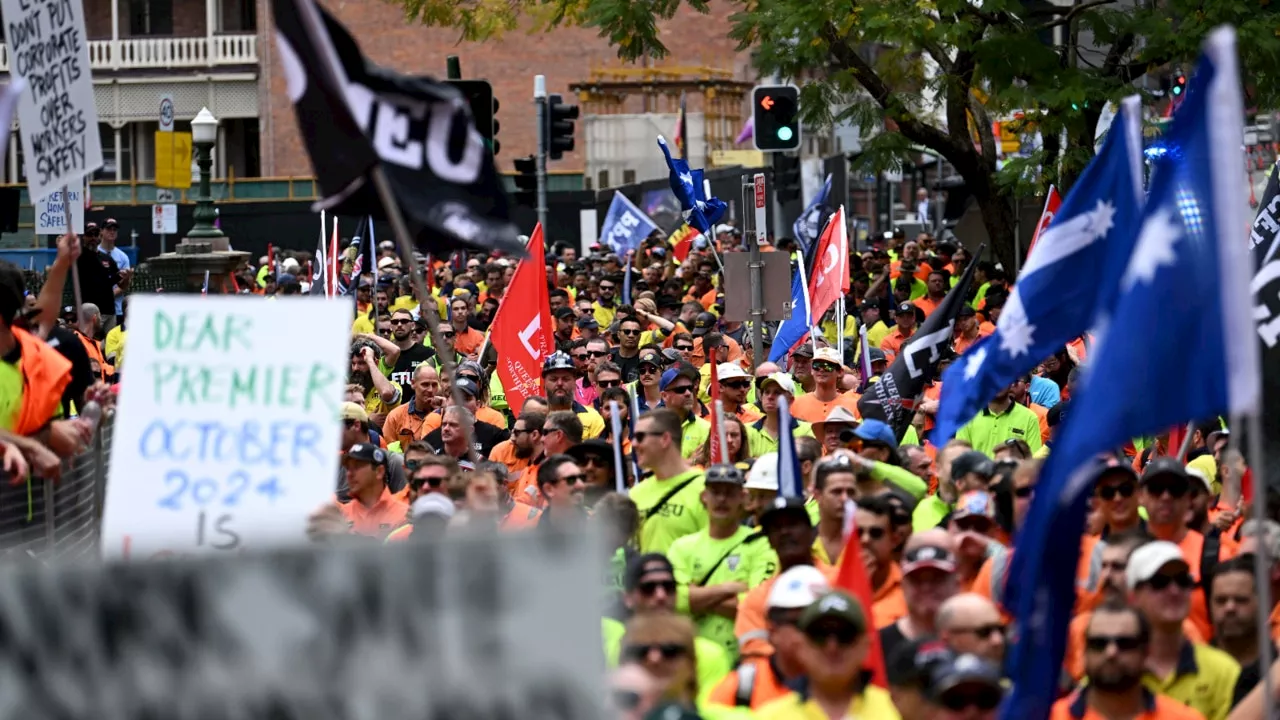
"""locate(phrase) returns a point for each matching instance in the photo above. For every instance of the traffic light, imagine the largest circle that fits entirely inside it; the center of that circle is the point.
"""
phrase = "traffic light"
(484, 108)
(559, 134)
(786, 177)
(527, 181)
(1179, 84)
(775, 111)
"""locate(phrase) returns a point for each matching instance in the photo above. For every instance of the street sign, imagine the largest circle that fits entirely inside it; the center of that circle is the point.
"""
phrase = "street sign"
(761, 234)
(164, 219)
(173, 159)
(165, 195)
(776, 276)
(166, 113)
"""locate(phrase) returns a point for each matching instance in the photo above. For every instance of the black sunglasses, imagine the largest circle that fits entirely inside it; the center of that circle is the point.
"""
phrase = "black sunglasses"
(641, 435)
(448, 335)
(842, 633)
(595, 461)
(983, 631)
(1125, 490)
(650, 587)
(598, 353)
(684, 348)
(579, 356)
(1123, 643)
(401, 321)
(986, 698)
(606, 384)
(628, 332)
(1160, 582)
(669, 651)
(680, 390)
(737, 384)
(872, 533)
(573, 479)
(648, 369)
(1175, 488)
(974, 523)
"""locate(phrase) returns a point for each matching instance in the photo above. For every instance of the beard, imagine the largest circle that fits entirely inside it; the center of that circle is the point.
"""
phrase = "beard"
(362, 378)
(1111, 677)
(523, 453)
(559, 398)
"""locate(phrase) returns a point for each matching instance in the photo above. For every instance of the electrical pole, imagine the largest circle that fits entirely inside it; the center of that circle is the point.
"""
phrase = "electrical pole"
(540, 100)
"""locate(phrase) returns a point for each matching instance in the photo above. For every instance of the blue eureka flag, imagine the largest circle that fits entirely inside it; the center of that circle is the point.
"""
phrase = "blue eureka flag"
(625, 226)
(808, 227)
(794, 329)
(1069, 281)
(1179, 347)
(700, 211)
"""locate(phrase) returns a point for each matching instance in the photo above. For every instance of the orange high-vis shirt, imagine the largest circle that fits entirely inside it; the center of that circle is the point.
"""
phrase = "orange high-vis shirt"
(404, 424)
(888, 604)
(525, 489)
(1192, 545)
(1156, 707)
(468, 342)
(750, 625)
(768, 685)
(892, 344)
(521, 517)
(505, 453)
(377, 520)
(926, 304)
(808, 408)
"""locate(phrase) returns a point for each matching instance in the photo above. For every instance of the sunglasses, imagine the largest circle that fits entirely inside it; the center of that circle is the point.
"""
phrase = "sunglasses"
(1161, 582)
(737, 384)
(598, 353)
(1110, 491)
(573, 479)
(448, 335)
(669, 651)
(431, 482)
(648, 370)
(1024, 492)
(518, 431)
(1175, 488)
(595, 461)
(548, 430)
(684, 348)
(649, 587)
(350, 423)
(401, 321)
(981, 698)
(641, 435)
(579, 356)
(628, 333)
(983, 631)
(606, 384)
(976, 524)
(843, 634)
(825, 367)
(1123, 643)
(872, 533)
(683, 389)
(606, 288)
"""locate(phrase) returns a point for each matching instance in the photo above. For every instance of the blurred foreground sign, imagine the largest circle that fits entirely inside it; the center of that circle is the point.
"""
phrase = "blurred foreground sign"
(227, 434)
(465, 627)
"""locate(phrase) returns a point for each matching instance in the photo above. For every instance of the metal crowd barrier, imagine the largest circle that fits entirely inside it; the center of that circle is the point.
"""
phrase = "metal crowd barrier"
(57, 519)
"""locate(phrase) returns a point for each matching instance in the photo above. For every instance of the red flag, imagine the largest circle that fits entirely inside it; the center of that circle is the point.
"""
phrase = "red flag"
(1051, 205)
(717, 453)
(1246, 486)
(852, 578)
(271, 258)
(830, 278)
(521, 332)
(681, 242)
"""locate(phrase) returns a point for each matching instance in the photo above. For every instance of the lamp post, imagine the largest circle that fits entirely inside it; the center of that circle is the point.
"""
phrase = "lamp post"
(204, 133)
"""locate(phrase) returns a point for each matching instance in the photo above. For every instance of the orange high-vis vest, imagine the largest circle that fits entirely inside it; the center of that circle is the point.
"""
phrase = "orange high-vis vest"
(94, 351)
(45, 375)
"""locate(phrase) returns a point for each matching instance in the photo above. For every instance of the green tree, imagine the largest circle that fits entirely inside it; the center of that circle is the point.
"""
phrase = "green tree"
(937, 72)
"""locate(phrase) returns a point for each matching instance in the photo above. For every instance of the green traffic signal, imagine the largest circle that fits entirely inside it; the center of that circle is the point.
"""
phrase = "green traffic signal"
(784, 133)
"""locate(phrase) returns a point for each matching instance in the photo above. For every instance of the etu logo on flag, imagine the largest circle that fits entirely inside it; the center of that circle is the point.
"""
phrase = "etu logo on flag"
(625, 226)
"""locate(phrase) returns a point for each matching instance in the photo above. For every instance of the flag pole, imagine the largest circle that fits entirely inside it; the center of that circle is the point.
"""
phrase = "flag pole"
(1186, 443)
(75, 266)
(1262, 563)
(398, 228)
(615, 426)
(724, 442)
(804, 290)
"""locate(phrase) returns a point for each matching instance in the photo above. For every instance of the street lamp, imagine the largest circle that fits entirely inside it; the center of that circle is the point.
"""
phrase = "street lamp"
(204, 133)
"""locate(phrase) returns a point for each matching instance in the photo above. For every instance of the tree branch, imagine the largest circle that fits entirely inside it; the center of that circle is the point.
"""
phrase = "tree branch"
(1069, 16)
(1118, 50)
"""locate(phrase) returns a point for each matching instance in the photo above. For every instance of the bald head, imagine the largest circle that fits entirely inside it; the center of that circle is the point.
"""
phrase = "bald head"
(89, 312)
(935, 537)
(425, 372)
(959, 609)
(767, 369)
(971, 623)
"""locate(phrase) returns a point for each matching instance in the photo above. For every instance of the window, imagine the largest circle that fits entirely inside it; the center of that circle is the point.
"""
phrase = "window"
(150, 17)
(109, 160)
(238, 16)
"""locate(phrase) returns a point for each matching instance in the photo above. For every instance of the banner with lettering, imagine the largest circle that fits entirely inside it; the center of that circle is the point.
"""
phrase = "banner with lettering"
(625, 226)
(1265, 241)
(58, 119)
(228, 428)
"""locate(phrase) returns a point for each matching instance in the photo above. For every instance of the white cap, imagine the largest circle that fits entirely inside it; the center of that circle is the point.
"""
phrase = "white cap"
(386, 262)
(290, 264)
(434, 503)
(798, 587)
(1147, 560)
(763, 474)
(784, 381)
(730, 371)
(722, 228)
(828, 354)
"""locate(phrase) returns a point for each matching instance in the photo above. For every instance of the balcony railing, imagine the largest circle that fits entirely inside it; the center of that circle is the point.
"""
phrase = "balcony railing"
(162, 53)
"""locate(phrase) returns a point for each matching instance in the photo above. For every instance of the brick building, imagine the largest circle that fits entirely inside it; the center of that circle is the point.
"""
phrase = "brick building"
(220, 54)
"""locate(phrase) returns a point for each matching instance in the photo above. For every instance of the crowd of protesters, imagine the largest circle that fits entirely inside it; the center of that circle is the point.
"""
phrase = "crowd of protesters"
(724, 598)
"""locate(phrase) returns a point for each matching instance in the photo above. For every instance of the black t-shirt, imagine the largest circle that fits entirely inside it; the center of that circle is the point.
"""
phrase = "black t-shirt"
(891, 638)
(65, 341)
(408, 361)
(630, 366)
(98, 277)
(483, 439)
(1250, 676)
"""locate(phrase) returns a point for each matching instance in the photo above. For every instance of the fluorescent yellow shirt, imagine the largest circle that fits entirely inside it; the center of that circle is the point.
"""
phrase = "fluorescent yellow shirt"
(11, 389)
(737, 558)
(873, 704)
(1204, 680)
(713, 663)
(113, 344)
(986, 431)
(682, 515)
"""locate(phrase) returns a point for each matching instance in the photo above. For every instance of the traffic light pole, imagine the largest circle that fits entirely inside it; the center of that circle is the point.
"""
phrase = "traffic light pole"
(540, 100)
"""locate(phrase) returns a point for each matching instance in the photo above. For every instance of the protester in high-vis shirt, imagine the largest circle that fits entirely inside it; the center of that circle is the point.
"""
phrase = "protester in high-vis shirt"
(374, 511)
(562, 483)
(669, 501)
(679, 387)
(720, 563)
(558, 376)
(762, 435)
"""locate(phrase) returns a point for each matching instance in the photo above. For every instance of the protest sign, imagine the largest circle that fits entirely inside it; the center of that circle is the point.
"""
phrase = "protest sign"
(227, 434)
(457, 627)
(51, 211)
(48, 47)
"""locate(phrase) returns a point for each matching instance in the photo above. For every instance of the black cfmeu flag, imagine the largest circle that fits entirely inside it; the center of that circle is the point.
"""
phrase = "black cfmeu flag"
(1265, 241)
(893, 398)
(354, 115)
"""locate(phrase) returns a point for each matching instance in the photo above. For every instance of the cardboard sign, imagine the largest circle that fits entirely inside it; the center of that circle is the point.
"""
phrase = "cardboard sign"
(227, 434)
(51, 212)
(48, 47)
(452, 627)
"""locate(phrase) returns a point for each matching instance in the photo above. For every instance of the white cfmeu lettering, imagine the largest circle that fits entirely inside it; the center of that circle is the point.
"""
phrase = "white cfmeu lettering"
(530, 330)
(410, 134)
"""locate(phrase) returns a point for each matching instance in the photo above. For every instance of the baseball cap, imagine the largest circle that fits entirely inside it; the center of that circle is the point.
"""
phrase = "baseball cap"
(764, 473)
(433, 503)
(783, 507)
(974, 502)
(868, 305)
(678, 371)
(91, 229)
(703, 324)
(565, 312)
(588, 322)
(558, 361)
(904, 308)
(368, 452)
(835, 605)
(972, 461)
(827, 354)
(965, 669)
(650, 357)
(110, 223)
(730, 371)
(966, 311)
(928, 556)
(721, 473)
(804, 350)
(643, 565)
(909, 664)
(594, 447)
(876, 355)
(722, 228)
(782, 380)
(468, 386)
(1147, 560)
(876, 431)
(387, 262)
(798, 587)
(1165, 465)
(352, 411)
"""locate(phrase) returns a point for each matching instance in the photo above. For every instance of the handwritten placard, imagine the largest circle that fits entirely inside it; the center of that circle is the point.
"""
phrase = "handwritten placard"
(47, 46)
(51, 212)
(227, 434)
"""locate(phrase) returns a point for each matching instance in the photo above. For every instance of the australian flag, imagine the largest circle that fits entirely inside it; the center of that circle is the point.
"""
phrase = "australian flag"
(1069, 277)
(795, 328)
(700, 212)
(1176, 349)
(808, 226)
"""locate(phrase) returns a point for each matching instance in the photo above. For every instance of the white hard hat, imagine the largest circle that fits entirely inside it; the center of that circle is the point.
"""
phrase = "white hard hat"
(798, 587)
(763, 474)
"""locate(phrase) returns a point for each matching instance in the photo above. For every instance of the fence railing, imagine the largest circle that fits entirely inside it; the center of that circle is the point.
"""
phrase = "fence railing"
(58, 519)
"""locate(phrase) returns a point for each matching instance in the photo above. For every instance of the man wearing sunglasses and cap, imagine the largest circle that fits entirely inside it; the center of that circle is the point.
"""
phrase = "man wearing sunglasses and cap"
(110, 231)
(721, 562)
(826, 396)
(762, 435)
(559, 375)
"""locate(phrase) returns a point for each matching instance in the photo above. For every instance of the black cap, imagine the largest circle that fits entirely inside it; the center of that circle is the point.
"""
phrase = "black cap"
(868, 305)
(966, 669)
(646, 564)
(876, 355)
(594, 447)
(704, 323)
(668, 301)
(904, 308)
(565, 312)
(966, 311)
(727, 474)
(783, 507)
(804, 350)
(558, 361)
(467, 386)
(972, 461)
(650, 357)
(367, 452)
(588, 322)
(1165, 466)
(910, 663)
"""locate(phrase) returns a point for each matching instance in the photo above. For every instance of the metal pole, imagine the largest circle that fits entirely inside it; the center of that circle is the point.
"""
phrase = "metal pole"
(937, 200)
(756, 265)
(1262, 563)
(540, 100)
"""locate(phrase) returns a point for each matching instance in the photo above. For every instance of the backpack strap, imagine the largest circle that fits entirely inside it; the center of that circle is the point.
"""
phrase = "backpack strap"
(746, 685)
(1209, 551)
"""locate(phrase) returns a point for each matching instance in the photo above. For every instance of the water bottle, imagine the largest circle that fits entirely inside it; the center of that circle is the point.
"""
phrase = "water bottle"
(91, 413)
